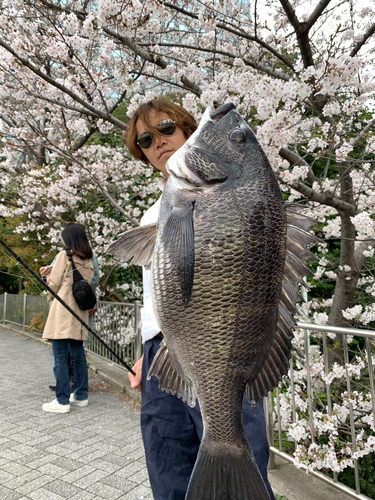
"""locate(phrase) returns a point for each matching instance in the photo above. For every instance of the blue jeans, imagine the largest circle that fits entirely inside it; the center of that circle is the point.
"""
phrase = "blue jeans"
(61, 350)
(172, 432)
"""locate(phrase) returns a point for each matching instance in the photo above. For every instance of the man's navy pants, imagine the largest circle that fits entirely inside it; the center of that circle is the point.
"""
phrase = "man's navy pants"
(172, 432)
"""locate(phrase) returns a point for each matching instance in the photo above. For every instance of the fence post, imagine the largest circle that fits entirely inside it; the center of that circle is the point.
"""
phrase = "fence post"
(138, 340)
(24, 312)
(268, 411)
(5, 307)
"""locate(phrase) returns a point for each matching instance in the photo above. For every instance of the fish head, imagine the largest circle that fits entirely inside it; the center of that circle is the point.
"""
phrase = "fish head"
(215, 153)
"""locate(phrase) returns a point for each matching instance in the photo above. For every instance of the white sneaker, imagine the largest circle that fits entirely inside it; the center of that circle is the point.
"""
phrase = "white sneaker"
(55, 407)
(76, 402)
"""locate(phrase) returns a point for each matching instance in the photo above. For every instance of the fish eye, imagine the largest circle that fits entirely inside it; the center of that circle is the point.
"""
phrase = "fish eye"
(237, 136)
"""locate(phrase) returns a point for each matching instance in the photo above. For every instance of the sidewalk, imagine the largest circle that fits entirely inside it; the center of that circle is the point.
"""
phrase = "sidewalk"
(91, 453)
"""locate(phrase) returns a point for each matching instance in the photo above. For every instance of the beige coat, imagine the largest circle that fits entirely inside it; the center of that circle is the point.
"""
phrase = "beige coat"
(61, 324)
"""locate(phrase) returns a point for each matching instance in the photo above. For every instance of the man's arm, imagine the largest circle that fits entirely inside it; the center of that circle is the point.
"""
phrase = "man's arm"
(136, 381)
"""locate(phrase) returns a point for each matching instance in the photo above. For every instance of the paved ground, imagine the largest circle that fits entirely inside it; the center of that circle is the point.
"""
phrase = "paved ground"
(91, 453)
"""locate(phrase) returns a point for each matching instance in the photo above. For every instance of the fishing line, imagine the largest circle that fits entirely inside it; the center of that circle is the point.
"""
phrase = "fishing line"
(24, 274)
(59, 299)
(17, 275)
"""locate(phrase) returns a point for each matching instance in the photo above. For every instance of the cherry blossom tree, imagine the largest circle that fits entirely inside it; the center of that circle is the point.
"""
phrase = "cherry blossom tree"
(300, 72)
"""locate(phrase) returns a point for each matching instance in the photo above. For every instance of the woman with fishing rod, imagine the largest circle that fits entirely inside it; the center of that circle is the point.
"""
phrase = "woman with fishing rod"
(62, 328)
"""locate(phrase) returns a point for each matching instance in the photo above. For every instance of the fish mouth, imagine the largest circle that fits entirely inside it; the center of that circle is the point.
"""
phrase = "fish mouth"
(182, 175)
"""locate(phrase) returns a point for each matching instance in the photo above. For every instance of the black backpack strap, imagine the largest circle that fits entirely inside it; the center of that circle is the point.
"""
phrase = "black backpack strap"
(77, 276)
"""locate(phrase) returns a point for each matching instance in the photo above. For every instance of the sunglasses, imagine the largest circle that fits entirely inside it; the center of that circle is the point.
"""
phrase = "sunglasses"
(165, 127)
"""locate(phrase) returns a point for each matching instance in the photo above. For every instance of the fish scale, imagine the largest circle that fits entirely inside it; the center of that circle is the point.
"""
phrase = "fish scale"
(227, 262)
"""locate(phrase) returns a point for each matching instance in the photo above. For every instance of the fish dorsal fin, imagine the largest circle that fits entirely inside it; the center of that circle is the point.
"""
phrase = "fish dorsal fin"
(169, 380)
(138, 243)
(277, 362)
(179, 244)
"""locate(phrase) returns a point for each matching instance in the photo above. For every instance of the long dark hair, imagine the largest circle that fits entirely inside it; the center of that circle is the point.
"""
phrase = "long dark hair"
(75, 238)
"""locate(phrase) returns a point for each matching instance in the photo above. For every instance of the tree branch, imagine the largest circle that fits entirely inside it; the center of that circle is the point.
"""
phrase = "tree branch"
(317, 12)
(115, 204)
(116, 295)
(295, 159)
(92, 131)
(265, 69)
(175, 84)
(365, 37)
(291, 15)
(64, 105)
(325, 198)
(357, 140)
(10, 203)
(302, 33)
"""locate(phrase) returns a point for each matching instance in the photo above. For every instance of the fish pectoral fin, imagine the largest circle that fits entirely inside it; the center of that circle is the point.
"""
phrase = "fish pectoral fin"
(179, 244)
(138, 243)
(169, 380)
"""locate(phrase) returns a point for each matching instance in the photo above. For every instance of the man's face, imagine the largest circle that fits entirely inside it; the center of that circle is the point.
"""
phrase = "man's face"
(162, 147)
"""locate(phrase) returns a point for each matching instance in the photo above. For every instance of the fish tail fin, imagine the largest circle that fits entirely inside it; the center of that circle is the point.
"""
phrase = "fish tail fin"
(226, 474)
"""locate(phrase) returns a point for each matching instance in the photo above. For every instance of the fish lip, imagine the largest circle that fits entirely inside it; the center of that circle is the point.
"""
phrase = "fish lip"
(194, 180)
(177, 168)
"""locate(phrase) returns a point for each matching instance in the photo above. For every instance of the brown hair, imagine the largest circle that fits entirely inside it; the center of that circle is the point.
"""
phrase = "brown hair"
(183, 119)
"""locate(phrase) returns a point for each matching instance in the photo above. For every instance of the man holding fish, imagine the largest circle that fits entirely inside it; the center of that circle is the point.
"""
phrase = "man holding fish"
(172, 430)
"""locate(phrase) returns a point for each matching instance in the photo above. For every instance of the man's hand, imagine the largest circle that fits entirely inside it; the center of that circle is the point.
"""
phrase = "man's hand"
(45, 271)
(136, 381)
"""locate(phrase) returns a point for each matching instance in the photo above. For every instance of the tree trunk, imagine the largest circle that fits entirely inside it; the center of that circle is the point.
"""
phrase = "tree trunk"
(346, 282)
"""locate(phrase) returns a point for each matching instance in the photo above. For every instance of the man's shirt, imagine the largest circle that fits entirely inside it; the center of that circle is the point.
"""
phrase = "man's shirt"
(150, 327)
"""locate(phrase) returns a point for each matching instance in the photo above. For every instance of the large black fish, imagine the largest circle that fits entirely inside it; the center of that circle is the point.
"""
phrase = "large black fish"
(227, 257)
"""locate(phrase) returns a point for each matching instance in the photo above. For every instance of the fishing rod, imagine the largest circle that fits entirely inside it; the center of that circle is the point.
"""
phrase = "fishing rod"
(33, 273)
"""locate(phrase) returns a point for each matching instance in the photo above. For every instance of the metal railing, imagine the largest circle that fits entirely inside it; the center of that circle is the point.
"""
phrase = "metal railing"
(27, 311)
(117, 323)
(275, 427)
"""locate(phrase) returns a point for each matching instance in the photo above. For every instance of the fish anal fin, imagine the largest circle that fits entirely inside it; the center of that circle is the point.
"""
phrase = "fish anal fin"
(137, 243)
(274, 368)
(169, 379)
